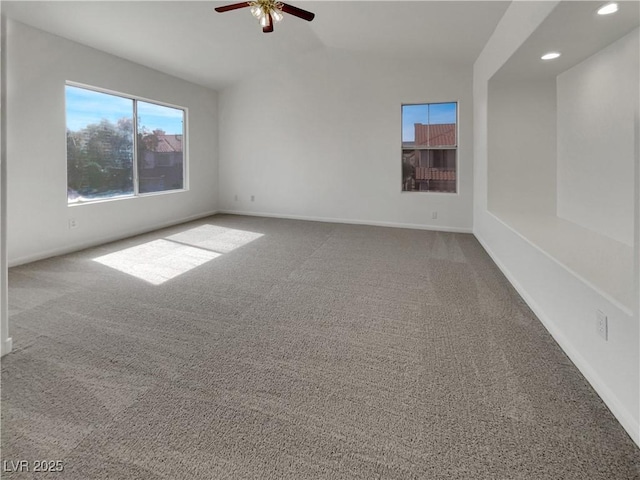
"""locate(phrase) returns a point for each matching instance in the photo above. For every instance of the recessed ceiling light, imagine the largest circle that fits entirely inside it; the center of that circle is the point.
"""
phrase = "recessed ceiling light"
(550, 56)
(608, 9)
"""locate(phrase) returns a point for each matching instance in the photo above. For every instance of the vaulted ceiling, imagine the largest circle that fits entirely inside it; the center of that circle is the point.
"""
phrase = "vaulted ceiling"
(191, 41)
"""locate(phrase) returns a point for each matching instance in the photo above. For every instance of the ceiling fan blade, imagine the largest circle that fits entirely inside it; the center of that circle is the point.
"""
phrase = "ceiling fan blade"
(234, 6)
(269, 27)
(298, 12)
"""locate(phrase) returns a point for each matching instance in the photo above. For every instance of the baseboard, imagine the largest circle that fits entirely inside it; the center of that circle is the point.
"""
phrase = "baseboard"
(373, 223)
(83, 245)
(626, 419)
(6, 347)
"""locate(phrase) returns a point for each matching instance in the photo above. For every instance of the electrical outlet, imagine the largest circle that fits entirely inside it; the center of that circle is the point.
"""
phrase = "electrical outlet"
(236, 198)
(73, 223)
(434, 215)
(602, 325)
(253, 198)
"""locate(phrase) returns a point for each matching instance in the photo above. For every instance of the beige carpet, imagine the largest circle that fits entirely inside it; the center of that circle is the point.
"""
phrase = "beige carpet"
(248, 348)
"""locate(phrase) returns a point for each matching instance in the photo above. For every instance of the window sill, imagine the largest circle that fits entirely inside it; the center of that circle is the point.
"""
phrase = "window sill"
(127, 197)
(605, 264)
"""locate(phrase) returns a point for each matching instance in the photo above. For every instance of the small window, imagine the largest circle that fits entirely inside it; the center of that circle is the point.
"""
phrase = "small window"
(429, 147)
(119, 146)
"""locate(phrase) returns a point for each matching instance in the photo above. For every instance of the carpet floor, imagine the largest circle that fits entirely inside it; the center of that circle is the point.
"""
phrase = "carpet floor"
(251, 348)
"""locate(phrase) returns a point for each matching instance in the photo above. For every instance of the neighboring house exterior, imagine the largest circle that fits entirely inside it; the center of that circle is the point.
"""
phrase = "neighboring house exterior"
(166, 153)
(435, 135)
(429, 162)
(162, 163)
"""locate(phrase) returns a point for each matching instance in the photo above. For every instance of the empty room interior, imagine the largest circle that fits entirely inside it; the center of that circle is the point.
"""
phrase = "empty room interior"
(325, 239)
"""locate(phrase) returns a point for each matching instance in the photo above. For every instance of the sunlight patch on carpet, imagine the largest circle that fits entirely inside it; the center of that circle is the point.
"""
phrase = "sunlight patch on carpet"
(161, 260)
(215, 238)
(157, 261)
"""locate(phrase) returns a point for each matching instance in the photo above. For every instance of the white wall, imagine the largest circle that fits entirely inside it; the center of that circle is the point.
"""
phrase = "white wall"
(320, 138)
(564, 303)
(37, 66)
(5, 341)
(522, 146)
(597, 103)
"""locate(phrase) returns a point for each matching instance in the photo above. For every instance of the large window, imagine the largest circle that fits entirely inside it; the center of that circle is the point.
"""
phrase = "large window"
(429, 145)
(119, 146)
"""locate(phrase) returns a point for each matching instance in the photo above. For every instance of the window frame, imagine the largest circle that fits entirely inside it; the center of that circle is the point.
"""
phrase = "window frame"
(445, 147)
(136, 189)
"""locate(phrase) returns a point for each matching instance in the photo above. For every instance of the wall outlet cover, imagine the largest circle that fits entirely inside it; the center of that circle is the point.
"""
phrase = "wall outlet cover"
(602, 326)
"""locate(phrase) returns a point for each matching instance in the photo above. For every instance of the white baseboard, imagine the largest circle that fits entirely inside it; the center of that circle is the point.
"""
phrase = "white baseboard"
(83, 245)
(374, 223)
(626, 419)
(6, 347)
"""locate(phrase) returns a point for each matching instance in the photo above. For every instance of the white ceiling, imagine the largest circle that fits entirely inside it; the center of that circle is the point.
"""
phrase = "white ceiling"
(191, 41)
(574, 29)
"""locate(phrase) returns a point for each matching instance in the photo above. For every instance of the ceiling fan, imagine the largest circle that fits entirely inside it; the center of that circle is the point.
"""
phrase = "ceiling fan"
(268, 12)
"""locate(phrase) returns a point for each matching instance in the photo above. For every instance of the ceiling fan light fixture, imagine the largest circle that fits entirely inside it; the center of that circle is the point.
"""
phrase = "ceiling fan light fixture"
(264, 20)
(256, 11)
(268, 12)
(261, 9)
(277, 15)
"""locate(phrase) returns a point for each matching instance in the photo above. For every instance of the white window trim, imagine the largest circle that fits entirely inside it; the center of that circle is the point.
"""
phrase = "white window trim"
(448, 147)
(136, 99)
